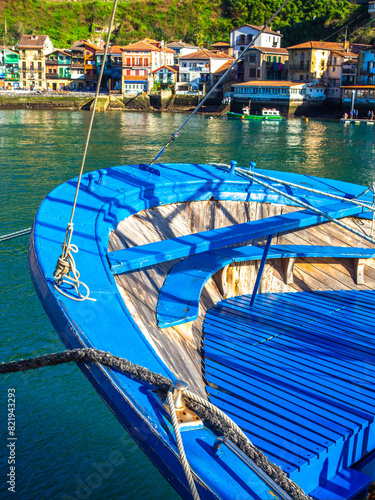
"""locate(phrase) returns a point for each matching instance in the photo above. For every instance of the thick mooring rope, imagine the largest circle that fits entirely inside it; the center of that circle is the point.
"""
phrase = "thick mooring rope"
(215, 418)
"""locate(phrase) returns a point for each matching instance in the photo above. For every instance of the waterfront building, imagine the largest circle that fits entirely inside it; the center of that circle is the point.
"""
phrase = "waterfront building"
(32, 51)
(243, 35)
(308, 62)
(341, 70)
(268, 91)
(135, 84)
(371, 9)
(266, 63)
(83, 69)
(112, 72)
(364, 96)
(9, 68)
(166, 76)
(366, 66)
(198, 69)
(58, 65)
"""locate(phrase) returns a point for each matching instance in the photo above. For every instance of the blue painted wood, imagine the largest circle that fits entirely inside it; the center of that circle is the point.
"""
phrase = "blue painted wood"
(107, 324)
(346, 484)
(261, 269)
(130, 259)
(179, 297)
(290, 362)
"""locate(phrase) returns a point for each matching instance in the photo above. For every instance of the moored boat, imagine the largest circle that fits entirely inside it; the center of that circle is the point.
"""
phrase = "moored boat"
(276, 331)
(267, 114)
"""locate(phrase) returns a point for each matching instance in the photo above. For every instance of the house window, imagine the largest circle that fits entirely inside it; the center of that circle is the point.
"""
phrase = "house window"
(252, 73)
(128, 61)
(40, 83)
(24, 76)
(252, 59)
(145, 61)
(322, 64)
(258, 73)
(333, 69)
(39, 53)
(301, 78)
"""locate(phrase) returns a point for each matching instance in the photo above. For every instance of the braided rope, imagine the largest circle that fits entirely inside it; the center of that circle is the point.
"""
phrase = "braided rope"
(180, 446)
(216, 419)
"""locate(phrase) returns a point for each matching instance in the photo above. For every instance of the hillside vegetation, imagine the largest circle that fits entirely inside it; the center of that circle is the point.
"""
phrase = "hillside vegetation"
(196, 21)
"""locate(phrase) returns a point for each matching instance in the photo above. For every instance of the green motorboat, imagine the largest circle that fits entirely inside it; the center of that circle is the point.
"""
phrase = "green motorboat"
(267, 114)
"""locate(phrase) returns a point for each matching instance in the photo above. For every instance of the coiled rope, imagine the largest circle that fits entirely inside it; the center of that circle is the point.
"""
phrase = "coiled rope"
(217, 420)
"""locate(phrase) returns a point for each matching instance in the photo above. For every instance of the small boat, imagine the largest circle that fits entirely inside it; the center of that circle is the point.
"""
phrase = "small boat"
(267, 114)
(253, 287)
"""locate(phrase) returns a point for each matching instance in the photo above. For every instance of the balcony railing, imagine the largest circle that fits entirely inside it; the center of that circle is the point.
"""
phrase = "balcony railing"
(297, 67)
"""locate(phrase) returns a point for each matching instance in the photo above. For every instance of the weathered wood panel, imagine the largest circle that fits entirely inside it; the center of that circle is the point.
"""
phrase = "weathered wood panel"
(180, 347)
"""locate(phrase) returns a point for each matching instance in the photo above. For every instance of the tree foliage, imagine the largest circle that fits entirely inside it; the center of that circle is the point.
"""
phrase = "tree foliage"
(195, 21)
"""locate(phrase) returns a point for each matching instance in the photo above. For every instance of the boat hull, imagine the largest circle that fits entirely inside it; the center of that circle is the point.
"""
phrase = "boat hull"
(107, 324)
(238, 116)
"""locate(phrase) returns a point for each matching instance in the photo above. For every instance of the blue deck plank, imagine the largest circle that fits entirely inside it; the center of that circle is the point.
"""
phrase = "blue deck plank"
(296, 375)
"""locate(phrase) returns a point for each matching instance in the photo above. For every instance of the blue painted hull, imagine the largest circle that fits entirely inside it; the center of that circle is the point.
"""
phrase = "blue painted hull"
(106, 323)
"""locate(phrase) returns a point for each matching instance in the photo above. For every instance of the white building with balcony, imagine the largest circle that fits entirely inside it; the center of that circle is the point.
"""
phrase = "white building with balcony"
(198, 69)
(341, 71)
(242, 36)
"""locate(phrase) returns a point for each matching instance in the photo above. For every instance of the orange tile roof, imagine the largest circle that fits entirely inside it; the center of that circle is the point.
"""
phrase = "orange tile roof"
(223, 68)
(221, 44)
(174, 69)
(114, 49)
(132, 78)
(268, 83)
(140, 47)
(207, 54)
(353, 47)
(343, 53)
(358, 87)
(269, 50)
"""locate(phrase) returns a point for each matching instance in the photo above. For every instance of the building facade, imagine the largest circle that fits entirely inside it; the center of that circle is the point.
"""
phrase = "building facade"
(366, 67)
(242, 36)
(112, 72)
(9, 69)
(262, 63)
(166, 76)
(198, 69)
(32, 51)
(58, 74)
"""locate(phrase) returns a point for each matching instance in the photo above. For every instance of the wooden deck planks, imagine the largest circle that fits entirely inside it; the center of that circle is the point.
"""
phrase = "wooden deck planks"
(301, 362)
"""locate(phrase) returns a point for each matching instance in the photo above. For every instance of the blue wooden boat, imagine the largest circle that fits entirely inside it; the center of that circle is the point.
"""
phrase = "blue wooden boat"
(227, 281)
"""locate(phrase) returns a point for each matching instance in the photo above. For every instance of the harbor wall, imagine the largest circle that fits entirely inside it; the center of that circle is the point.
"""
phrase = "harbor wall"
(168, 101)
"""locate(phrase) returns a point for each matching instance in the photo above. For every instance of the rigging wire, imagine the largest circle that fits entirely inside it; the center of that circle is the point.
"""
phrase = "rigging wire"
(65, 264)
(221, 79)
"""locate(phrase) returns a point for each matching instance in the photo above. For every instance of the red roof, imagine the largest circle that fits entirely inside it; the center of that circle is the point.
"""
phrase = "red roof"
(268, 83)
(353, 47)
(223, 68)
(114, 49)
(207, 54)
(269, 50)
(174, 69)
(140, 47)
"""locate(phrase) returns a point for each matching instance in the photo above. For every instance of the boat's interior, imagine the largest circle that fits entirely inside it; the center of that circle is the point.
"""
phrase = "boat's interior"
(294, 370)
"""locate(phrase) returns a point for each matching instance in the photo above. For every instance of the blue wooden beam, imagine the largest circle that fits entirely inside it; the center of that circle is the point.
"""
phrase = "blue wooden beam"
(261, 269)
(130, 259)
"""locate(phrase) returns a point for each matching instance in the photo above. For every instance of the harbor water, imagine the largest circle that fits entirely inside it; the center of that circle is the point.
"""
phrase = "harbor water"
(66, 442)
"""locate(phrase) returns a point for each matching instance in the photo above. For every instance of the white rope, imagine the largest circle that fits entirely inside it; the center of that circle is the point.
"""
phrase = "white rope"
(66, 272)
(248, 175)
(180, 446)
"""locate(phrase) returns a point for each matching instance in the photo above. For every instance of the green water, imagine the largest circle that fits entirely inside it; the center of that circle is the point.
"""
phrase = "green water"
(69, 445)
